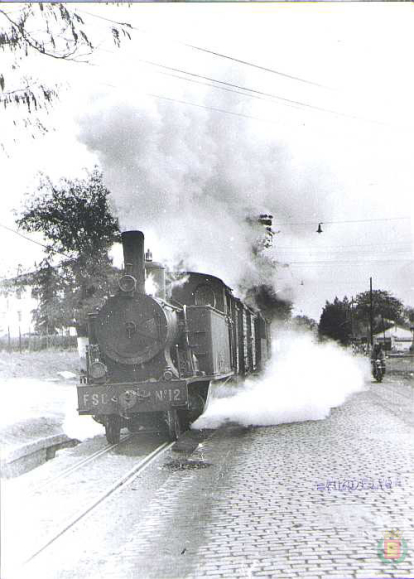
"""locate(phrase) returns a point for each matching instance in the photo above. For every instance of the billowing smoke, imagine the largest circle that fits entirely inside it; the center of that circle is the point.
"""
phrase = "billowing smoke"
(265, 298)
(194, 181)
(304, 381)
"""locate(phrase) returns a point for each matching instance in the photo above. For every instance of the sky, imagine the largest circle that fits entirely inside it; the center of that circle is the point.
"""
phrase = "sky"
(194, 144)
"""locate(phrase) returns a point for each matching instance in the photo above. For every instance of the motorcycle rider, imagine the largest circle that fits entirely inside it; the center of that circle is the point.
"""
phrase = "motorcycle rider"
(378, 354)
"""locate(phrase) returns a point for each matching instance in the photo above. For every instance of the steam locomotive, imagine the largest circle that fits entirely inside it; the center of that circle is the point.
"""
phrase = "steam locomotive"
(157, 356)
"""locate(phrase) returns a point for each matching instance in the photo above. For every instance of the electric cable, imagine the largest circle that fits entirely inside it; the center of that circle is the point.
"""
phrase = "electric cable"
(208, 51)
(36, 242)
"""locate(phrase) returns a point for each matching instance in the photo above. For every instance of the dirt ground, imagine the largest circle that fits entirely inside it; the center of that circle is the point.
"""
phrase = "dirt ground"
(34, 400)
(43, 365)
(401, 366)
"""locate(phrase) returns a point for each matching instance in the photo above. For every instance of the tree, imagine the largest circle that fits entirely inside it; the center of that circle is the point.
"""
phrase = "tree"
(335, 321)
(47, 287)
(341, 319)
(409, 315)
(55, 31)
(386, 309)
(76, 222)
(305, 323)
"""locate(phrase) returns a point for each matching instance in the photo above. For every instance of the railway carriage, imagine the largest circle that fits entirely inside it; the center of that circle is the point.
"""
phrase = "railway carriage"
(157, 356)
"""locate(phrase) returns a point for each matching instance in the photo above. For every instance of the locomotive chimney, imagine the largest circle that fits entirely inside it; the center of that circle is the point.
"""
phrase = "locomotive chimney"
(134, 264)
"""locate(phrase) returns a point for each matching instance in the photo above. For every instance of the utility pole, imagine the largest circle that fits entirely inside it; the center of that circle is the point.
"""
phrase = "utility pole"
(371, 316)
(352, 318)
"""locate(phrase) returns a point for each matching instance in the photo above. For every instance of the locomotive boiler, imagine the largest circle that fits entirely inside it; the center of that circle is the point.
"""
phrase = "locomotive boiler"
(154, 358)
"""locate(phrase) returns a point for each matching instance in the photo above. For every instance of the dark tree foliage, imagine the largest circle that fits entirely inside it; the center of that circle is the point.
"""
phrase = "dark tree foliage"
(342, 319)
(47, 288)
(335, 321)
(54, 30)
(409, 315)
(386, 309)
(76, 222)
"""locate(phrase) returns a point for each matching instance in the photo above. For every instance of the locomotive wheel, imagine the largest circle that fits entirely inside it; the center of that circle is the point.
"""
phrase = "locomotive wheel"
(113, 428)
(174, 424)
(197, 404)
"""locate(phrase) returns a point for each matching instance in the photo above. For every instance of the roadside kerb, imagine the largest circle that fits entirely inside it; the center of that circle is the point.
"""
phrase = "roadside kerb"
(19, 460)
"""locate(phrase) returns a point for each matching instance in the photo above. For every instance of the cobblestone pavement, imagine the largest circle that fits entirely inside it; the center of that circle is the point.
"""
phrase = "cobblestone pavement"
(308, 499)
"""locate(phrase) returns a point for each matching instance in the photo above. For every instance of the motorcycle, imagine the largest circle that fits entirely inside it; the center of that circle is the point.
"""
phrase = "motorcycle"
(378, 369)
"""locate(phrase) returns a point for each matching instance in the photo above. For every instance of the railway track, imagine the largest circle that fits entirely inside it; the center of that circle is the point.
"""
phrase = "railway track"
(124, 481)
(48, 511)
(82, 463)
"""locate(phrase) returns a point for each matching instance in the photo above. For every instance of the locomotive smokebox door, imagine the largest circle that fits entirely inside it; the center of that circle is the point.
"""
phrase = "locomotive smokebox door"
(133, 330)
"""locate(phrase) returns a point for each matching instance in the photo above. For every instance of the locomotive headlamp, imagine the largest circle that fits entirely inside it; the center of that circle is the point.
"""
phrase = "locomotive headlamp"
(168, 375)
(127, 283)
(97, 370)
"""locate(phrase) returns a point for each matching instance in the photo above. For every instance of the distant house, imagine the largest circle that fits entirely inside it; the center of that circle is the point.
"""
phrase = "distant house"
(16, 312)
(395, 338)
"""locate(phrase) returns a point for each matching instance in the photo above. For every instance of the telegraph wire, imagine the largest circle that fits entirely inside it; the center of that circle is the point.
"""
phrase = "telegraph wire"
(284, 100)
(215, 109)
(348, 263)
(340, 248)
(402, 253)
(252, 96)
(298, 105)
(33, 241)
(302, 263)
(208, 51)
(347, 221)
(351, 245)
(257, 93)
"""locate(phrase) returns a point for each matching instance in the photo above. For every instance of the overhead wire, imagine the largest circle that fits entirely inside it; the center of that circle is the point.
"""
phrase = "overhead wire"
(208, 51)
(35, 242)
(348, 263)
(288, 102)
(306, 248)
(271, 96)
(223, 111)
(302, 263)
(261, 95)
(345, 221)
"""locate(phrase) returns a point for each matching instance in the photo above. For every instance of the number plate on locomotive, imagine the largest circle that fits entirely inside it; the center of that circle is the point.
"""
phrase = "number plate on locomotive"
(131, 398)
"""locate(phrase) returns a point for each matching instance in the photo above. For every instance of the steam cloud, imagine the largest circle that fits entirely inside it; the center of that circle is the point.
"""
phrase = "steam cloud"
(194, 182)
(304, 381)
(80, 427)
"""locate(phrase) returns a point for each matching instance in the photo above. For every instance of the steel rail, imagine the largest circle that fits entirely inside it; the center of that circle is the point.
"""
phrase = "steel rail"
(127, 479)
(79, 465)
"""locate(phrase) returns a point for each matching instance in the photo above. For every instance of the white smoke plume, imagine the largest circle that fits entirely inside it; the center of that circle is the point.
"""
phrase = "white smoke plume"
(304, 381)
(151, 286)
(79, 427)
(192, 178)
